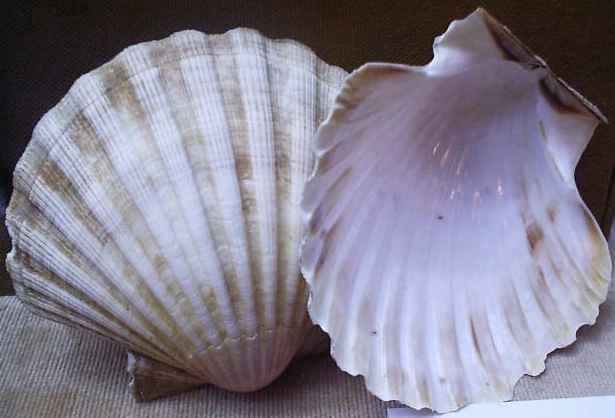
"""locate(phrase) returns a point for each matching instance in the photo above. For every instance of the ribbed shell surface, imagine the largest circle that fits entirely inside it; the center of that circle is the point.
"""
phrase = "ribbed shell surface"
(158, 203)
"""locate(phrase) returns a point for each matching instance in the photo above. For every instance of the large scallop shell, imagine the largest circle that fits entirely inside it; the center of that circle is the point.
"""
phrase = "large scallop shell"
(448, 248)
(158, 204)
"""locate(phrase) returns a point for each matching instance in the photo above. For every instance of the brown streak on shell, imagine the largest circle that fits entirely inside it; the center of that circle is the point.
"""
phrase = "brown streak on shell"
(551, 213)
(510, 46)
(541, 289)
(475, 342)
(120, 92)
(52, 176)
(595, 239)
(243, 166)
(534, 236)
(578, 275)
(321, 258)
(212, 305)
(554, 100)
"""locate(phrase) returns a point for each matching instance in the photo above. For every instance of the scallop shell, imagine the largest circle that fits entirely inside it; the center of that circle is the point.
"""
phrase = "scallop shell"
(158, 204)
(443, 213)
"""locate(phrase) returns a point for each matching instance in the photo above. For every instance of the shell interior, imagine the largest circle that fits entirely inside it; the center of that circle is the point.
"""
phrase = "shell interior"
(448, 249)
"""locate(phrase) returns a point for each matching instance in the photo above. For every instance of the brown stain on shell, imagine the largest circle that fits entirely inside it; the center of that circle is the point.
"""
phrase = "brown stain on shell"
(554, 99)
(54, 178)
(551, 213)
(534, 235)
(510, 46)
(243, 166)
(120, 91)
(541, 291)
(211, 303)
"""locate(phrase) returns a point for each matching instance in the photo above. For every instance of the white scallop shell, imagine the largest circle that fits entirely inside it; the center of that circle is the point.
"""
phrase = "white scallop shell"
(158, 204)
(448, 249)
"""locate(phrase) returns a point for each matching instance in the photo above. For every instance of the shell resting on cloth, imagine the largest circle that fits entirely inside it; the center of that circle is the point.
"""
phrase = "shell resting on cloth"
(158, 204)
(443, 213)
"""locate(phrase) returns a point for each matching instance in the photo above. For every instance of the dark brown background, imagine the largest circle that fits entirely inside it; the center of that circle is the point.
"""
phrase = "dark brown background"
(49, 44)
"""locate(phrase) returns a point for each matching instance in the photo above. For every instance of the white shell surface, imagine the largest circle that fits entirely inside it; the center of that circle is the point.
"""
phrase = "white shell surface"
(448, 249)
(158, 203)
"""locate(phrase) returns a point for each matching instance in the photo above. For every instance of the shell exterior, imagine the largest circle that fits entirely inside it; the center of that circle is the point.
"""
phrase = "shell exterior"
(158, 204)
(443, 205)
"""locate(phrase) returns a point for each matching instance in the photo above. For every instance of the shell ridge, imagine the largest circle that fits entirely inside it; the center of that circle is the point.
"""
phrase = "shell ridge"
(269, 276)
(244, 152)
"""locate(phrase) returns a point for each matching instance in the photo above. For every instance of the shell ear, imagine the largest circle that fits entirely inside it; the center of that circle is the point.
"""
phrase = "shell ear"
(567, 119)
(471, 37)
(151, 379)
(482, 36)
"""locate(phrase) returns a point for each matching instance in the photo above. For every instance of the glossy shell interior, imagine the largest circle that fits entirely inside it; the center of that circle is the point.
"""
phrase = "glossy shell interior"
(443, 211)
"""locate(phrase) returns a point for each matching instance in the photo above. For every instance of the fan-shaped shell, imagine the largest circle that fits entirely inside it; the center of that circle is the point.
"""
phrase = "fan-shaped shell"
(158, 204)
(448, 249)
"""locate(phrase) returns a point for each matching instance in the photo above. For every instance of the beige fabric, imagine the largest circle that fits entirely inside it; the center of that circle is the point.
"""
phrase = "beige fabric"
(48, 370)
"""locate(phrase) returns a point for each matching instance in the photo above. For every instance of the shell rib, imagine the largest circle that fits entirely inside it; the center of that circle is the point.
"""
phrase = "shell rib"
(158, 204)
(448, 249)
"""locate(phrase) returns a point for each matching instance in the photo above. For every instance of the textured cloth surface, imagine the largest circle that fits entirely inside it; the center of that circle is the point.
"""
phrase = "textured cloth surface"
(48, 370)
